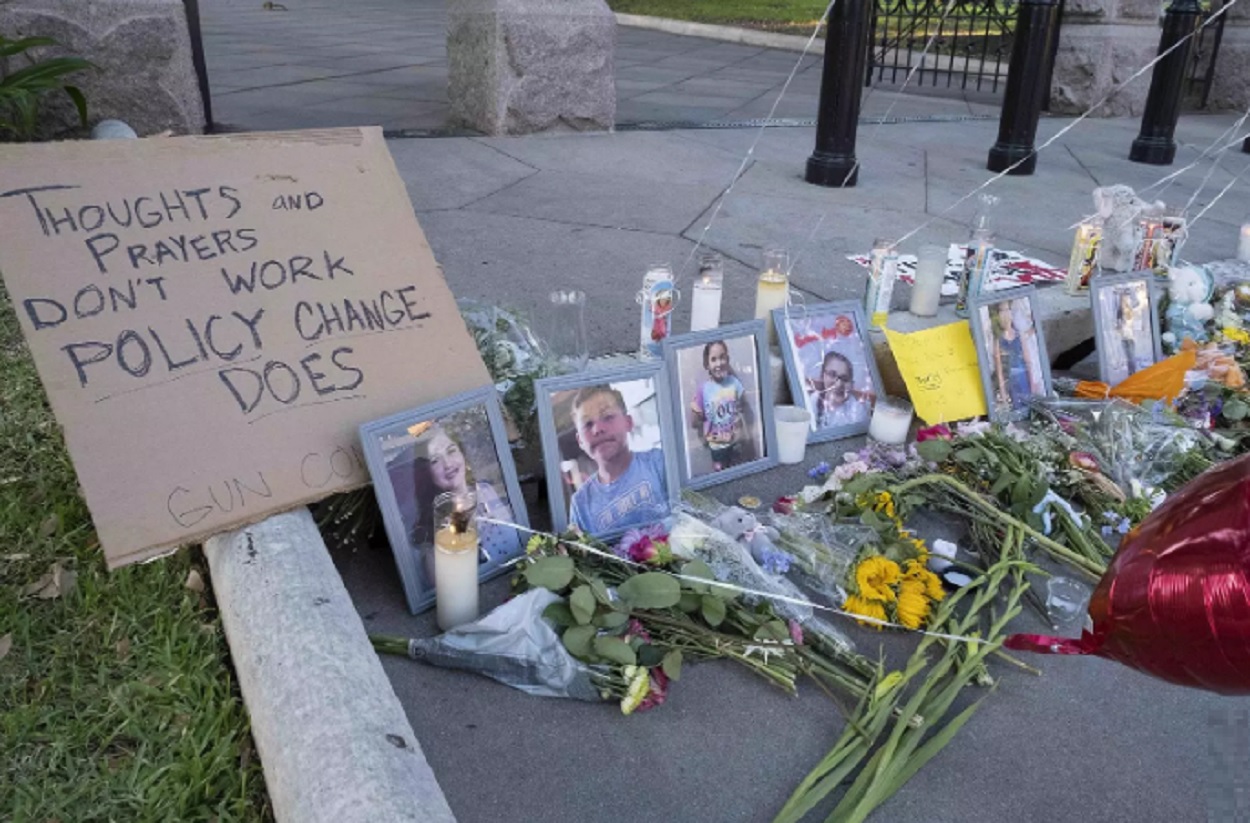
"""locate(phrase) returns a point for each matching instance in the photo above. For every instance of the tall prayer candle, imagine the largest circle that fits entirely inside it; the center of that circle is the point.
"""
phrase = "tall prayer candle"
(658, 297)
(930, 274)
(708, 289)
(772, 290)
(455, 558)
(1084, 259)
(882, 271)
(1243, 247)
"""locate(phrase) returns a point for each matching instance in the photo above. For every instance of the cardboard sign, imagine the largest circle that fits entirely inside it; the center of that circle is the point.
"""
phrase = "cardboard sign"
(213, 318)
(942, 372)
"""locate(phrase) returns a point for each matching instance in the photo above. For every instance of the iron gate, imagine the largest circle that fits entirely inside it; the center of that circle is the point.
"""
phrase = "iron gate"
(971, 45)
(1201, 71)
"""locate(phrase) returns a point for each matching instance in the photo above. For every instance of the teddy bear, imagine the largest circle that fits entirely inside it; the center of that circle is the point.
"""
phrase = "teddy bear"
(1190, 289)
(744, 527)
(1120, 208)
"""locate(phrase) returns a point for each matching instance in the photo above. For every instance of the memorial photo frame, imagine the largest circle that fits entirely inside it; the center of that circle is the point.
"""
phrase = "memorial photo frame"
(1127, 331)
(722, 403)
(606, 420)
(1011, 351)
(414, 455)
(830, 340)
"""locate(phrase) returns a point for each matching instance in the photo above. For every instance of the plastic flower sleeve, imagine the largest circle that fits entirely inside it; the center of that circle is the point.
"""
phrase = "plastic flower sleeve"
(823, 551)
(731, 562)
(514, 645)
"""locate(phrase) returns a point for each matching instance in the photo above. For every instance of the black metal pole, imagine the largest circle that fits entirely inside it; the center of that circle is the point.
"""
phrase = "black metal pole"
(841, 84)
(197, 59)
(1154, 144)
(1028, 77)
(1245, 145)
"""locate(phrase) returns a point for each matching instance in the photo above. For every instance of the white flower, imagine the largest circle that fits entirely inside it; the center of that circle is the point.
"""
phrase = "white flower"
(810, 494)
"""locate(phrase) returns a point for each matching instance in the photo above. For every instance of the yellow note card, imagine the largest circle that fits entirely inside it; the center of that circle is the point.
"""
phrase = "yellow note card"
(940, 368)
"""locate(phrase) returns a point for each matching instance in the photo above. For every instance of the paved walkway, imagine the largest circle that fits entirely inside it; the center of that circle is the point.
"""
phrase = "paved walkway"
(384, 62)
(511, 218)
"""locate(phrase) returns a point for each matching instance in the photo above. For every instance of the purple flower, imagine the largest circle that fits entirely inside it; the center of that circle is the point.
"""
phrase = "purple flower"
(1217, 407)
(819, 470)
(774, 561)
(796, 632)
(1106, 531)
(642, 545)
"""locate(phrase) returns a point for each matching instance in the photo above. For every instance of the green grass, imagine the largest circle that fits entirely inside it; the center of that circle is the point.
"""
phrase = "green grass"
(774, 15)
(116, 701)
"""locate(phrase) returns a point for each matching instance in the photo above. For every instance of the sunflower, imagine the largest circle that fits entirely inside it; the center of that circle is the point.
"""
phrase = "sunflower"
(915, 570)
(874, 577)
(856, 604)
(913, 604)
(885, 503)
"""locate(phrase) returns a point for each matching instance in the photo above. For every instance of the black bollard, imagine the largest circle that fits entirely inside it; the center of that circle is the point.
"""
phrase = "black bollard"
(841, 84)
(1154, 144)
(1028, 76)
(1245, 145)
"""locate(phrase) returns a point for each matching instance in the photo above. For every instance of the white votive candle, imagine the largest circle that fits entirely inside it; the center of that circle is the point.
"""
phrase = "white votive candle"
(705, 305)
(455, 558)
(772, 289)
(930, 274)
(455, 577)
(1243, 246)
(891, 421)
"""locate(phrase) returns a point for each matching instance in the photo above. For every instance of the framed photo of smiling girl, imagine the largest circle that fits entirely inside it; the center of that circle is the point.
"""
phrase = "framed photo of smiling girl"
(830, 366)
(608, 448)
(456, 445)
(723, 402)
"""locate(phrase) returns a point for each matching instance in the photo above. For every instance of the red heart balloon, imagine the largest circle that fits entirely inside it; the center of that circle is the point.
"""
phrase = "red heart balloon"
(1175, 601)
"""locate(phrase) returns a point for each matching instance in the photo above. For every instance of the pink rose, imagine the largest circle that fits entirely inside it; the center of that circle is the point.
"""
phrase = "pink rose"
(938, 432)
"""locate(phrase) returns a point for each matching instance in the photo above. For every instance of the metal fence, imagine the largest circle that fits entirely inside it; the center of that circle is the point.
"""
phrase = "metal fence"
(971, 45)
(1201, 70)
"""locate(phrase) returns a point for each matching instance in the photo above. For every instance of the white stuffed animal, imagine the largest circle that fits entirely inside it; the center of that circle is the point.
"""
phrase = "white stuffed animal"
(1189, 289)
(744, 527)
(1120, 208)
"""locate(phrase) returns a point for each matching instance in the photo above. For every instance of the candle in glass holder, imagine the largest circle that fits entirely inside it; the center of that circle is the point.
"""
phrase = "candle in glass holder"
(1084, 257)
(882, 270)
(1243, 246)
(455, 558)
(658, 298)
(891, 421)
(708, 287)
(772, 289)
(1150, 235)
(930, 274)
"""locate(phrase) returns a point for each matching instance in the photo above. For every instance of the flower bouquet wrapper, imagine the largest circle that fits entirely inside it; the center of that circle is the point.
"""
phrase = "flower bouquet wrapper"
(731, 561)
(514, 645)
(1175, 601)
(824, 552)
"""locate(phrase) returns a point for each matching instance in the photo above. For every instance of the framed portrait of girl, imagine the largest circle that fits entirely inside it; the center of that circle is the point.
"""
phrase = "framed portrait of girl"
(1015, 367)
(829, 366)
(1126, 324)
(456, 445)
(723, 405)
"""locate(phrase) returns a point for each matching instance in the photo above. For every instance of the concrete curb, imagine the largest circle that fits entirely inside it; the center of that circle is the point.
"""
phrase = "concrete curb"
(728, 34)
(332, 736)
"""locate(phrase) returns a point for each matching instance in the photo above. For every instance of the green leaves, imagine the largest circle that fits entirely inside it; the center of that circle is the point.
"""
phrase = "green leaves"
(671, 664)
(713, 610)
(21, 90)
(935, 451)
(614, 649)
(578, 640)
(552, 573)
(582, 604)
(1235, 409)
(651, 590)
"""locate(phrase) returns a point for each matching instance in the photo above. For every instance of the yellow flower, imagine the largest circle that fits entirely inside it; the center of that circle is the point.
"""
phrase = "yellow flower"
(639, 687)
(914, 570)
(874, 576)
(862, 605)
(885, 503)
(1236, 335)
(913, 605)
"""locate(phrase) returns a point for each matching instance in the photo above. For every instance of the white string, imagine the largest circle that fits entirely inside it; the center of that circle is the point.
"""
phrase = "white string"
(1217, 197)
(733, 181)
(795, 601)
(1084, 116)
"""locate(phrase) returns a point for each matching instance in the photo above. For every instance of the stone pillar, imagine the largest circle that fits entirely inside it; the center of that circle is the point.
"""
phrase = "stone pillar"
(146, 74)
(1103, 42)
(521, 66)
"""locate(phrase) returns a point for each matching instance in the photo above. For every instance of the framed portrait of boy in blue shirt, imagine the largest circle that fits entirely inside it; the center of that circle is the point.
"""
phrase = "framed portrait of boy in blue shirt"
(608, 448)
(722, 396)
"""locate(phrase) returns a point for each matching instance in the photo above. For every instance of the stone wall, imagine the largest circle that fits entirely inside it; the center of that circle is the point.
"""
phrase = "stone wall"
(1102, 43)
(520, 66)
(142, 49)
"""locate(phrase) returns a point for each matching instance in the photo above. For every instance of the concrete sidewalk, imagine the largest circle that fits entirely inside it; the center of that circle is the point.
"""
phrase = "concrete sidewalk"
(384, 62)
(511, 218)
